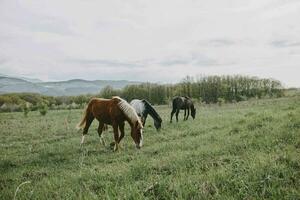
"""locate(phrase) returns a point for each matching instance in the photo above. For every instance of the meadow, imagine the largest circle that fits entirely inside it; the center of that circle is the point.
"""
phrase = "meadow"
(245, 150)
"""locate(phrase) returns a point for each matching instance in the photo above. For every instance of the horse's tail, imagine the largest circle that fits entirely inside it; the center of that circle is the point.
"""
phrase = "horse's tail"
(87, 111)
(174, 106)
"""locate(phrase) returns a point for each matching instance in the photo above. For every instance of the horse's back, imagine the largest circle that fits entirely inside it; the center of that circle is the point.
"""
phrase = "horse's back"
(105, 109)
(181, 102)
(100, 103)
(138, 106)
(177, 102)
(134, 101)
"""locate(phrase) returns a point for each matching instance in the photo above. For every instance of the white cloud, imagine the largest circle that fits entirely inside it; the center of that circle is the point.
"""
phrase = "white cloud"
(159, 41)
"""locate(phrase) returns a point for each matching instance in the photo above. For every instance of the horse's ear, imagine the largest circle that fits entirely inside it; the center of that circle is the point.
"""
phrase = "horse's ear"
(143, 100)
(137, 124)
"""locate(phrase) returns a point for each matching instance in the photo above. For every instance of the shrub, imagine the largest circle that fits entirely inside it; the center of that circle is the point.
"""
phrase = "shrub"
(43, 108)
(26, 109)
(10, 108)
(221, 101)
(242, 98)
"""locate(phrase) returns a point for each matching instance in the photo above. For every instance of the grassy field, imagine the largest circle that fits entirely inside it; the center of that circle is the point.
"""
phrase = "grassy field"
(249, 150)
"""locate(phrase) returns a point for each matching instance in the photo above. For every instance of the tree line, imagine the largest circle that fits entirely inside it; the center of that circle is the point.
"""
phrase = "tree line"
(207, 89)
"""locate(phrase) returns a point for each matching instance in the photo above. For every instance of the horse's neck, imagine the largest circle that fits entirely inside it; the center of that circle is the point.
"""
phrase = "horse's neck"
(149, 110)
(130, 121)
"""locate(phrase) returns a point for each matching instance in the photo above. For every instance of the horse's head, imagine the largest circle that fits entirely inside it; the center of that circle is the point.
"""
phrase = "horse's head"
(157, 124)
(193, 112)
(137, 134)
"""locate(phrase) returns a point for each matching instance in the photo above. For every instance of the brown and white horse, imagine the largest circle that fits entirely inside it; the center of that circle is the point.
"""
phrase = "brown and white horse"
(114, 112)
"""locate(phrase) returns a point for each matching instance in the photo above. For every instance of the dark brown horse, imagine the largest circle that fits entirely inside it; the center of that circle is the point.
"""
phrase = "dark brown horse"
(183, 103)
(114, 112)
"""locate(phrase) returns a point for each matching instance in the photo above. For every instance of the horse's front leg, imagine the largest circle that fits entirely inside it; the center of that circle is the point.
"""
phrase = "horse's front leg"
(184, 118)
(145, 118)
(142, 119)
(172, 113)
(121, 127)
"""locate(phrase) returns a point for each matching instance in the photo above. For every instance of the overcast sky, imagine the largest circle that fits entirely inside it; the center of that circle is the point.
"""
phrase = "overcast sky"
(157, 41)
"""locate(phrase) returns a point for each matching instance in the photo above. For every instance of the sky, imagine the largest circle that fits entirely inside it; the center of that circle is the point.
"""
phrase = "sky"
(156, 41)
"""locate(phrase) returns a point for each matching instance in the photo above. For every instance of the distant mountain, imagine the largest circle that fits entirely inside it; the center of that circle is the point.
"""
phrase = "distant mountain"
(59, 88)
(32, 80)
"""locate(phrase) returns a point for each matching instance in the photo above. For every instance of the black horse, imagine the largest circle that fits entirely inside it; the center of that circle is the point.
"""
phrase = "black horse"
(183, 103)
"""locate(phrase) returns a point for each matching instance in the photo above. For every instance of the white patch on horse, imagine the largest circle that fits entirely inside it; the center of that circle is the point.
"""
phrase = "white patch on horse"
(139, 106)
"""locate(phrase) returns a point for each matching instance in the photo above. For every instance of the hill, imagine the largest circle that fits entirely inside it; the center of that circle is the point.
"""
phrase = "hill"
(59, 88)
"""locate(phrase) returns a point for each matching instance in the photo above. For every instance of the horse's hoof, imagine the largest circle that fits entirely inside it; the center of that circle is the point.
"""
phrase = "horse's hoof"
(112, 143)
(116, 148)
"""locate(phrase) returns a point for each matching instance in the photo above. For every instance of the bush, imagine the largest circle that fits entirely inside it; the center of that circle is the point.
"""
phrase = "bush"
(241, 98)
(26, 109)
(221, 101)
(43, 108)
(10, 108)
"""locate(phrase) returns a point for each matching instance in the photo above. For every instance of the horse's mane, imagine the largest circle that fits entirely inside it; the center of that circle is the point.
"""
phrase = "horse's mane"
(128, 110)
(191, 102)
(152, 112)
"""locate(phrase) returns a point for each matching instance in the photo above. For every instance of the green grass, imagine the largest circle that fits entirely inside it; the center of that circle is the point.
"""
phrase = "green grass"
(249, 150)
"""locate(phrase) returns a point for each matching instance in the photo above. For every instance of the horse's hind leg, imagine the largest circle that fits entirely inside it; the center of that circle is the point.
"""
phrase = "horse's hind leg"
(88, 122)
(172, 113)
(101, 128)
(184, 118)
(177, 112)
(116, 136)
